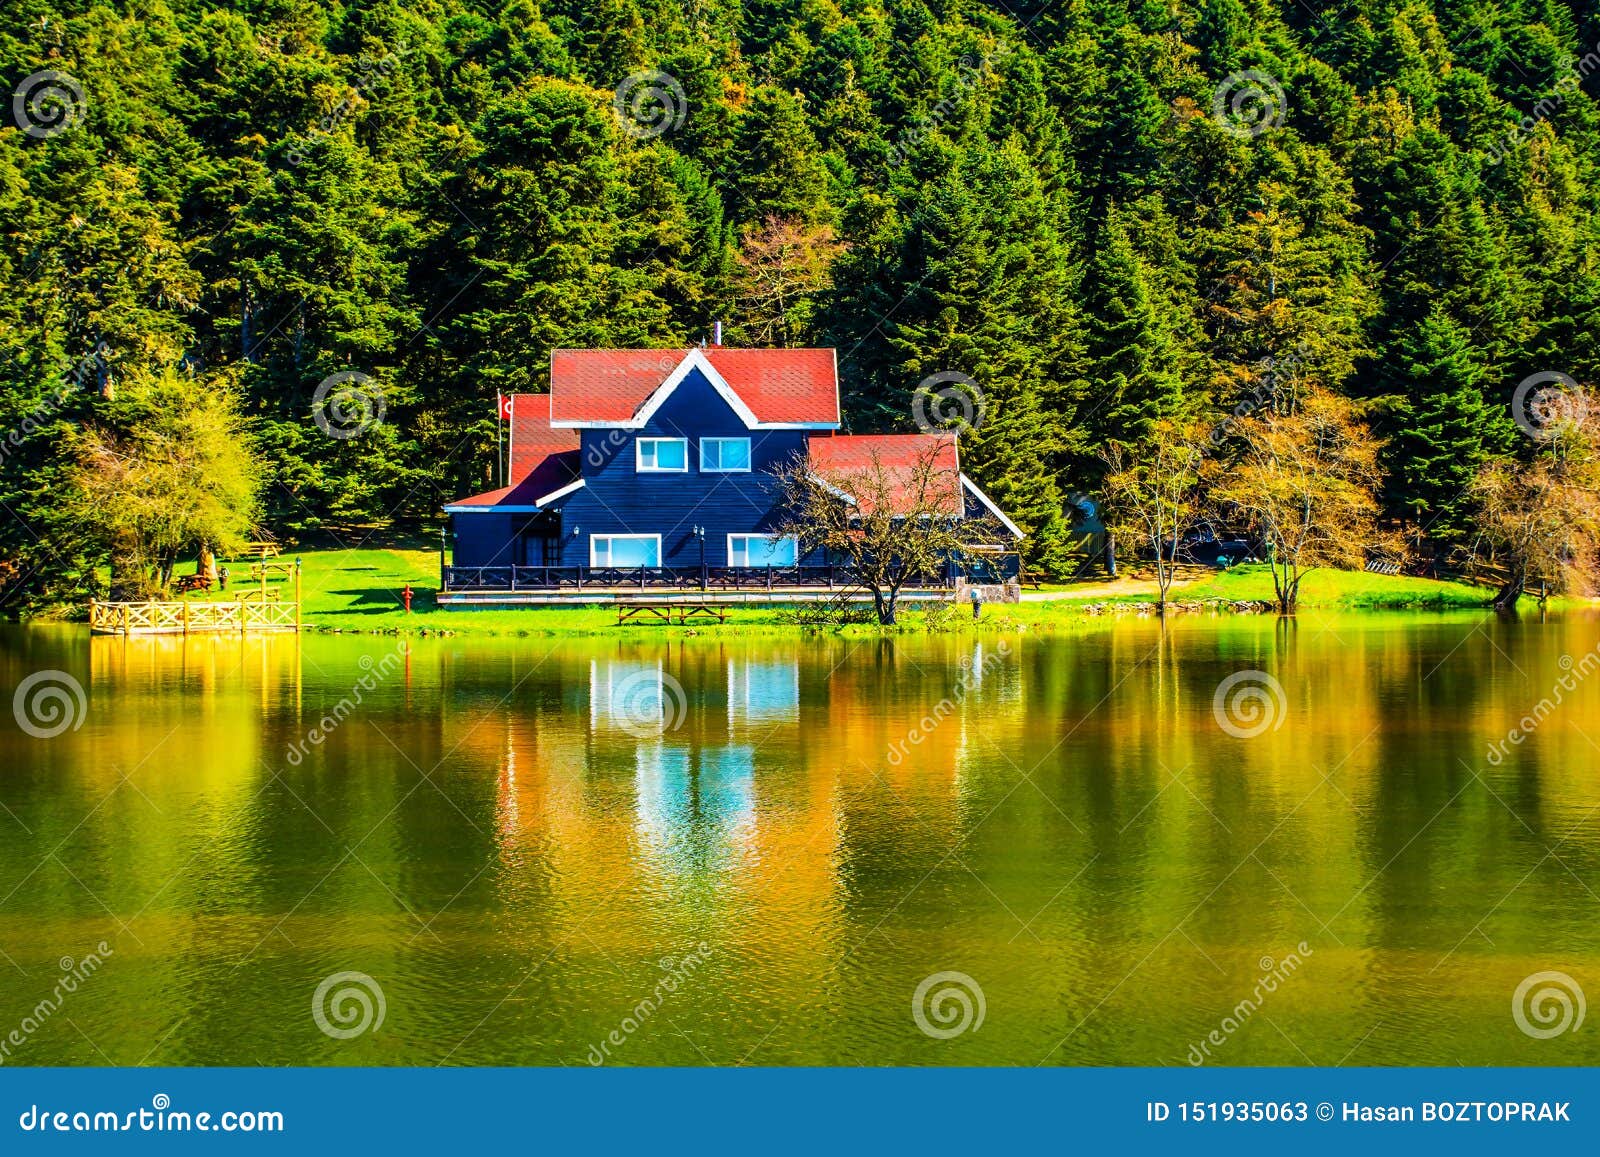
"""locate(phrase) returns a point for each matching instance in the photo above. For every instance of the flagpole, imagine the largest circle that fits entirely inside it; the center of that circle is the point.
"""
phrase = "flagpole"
(499, 458)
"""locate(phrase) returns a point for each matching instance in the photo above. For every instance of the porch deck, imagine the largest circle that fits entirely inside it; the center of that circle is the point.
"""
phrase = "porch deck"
(604, 596)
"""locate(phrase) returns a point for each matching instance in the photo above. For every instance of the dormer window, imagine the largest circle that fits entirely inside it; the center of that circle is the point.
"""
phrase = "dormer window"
(662, 455)
(724, 455)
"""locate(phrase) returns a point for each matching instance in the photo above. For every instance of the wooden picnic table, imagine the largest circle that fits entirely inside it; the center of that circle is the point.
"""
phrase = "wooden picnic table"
(192, 582)
(663, 612)
(257, 569)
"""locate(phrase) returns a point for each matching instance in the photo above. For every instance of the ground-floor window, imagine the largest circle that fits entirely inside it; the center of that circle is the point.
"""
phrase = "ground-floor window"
(624, 550)
(759, 550)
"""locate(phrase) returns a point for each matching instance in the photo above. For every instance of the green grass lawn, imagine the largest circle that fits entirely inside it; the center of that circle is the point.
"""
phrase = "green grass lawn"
(1343, 589)
(360, 590)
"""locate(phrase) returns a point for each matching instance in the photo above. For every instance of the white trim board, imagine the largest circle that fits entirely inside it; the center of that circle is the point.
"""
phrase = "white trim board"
(993, 509)
(555, 494)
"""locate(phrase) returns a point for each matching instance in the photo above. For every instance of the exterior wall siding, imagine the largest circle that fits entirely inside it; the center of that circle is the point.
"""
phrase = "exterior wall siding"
(482, 540)
(618, 499)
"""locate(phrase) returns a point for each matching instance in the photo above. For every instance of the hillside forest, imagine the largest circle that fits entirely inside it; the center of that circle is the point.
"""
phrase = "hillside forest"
(1102, 217)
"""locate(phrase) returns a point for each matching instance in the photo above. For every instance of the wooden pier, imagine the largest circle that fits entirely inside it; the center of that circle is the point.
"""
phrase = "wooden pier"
(181, 617)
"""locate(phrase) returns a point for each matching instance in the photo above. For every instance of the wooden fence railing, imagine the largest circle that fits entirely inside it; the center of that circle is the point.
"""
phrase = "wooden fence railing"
(717, 578)
(182, 618)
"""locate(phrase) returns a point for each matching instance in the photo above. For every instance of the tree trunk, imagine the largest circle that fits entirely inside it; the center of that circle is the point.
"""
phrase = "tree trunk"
(1506, 601)
(206, 563)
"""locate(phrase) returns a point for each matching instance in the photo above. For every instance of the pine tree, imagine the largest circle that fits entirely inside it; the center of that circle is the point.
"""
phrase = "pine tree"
(1133, 357)
(1444, 430)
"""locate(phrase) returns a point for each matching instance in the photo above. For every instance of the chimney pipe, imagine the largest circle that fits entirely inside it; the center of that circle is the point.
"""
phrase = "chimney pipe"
(716, 338)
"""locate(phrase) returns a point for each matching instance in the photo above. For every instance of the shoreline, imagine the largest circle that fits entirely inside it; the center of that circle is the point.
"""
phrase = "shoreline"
(361, 591)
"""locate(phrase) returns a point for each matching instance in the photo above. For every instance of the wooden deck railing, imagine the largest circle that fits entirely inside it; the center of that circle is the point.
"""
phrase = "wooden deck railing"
(715, 578)
(182, 618)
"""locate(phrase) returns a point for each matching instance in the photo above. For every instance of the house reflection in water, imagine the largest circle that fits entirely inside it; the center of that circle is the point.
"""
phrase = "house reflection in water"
(694, 757)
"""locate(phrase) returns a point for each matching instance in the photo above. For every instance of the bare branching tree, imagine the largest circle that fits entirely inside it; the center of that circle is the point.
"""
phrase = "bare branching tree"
(1542, 520)
(893, 524)
(783, 264)
(1307, 483)
(1152, 493)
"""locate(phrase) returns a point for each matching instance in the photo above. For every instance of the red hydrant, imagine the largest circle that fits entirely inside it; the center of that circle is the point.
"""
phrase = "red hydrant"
(406, 595)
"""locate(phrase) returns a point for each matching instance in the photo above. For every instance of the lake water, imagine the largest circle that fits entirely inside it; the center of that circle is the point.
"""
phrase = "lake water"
(1031, 849)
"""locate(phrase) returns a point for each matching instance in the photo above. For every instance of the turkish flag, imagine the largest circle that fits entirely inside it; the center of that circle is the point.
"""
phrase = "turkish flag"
(505, 406)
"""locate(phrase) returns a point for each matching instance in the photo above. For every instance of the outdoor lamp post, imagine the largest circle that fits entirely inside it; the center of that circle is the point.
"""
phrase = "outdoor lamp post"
(700, 533)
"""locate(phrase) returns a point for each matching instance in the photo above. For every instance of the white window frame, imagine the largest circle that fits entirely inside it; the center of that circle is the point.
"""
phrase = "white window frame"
(747, 535)
(638, 456)
(609, 537)
(745, 469)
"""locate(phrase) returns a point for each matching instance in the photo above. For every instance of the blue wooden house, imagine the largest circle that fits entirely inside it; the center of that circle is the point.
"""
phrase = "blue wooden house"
(655, 467)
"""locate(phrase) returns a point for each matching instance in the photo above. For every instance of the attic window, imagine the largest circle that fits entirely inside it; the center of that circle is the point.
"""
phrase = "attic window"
(724, 455)
(657, 455)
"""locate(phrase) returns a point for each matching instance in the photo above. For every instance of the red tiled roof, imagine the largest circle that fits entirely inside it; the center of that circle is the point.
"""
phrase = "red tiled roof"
(849, 463)
(780, 386)
(532, 438)
(550, 474)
